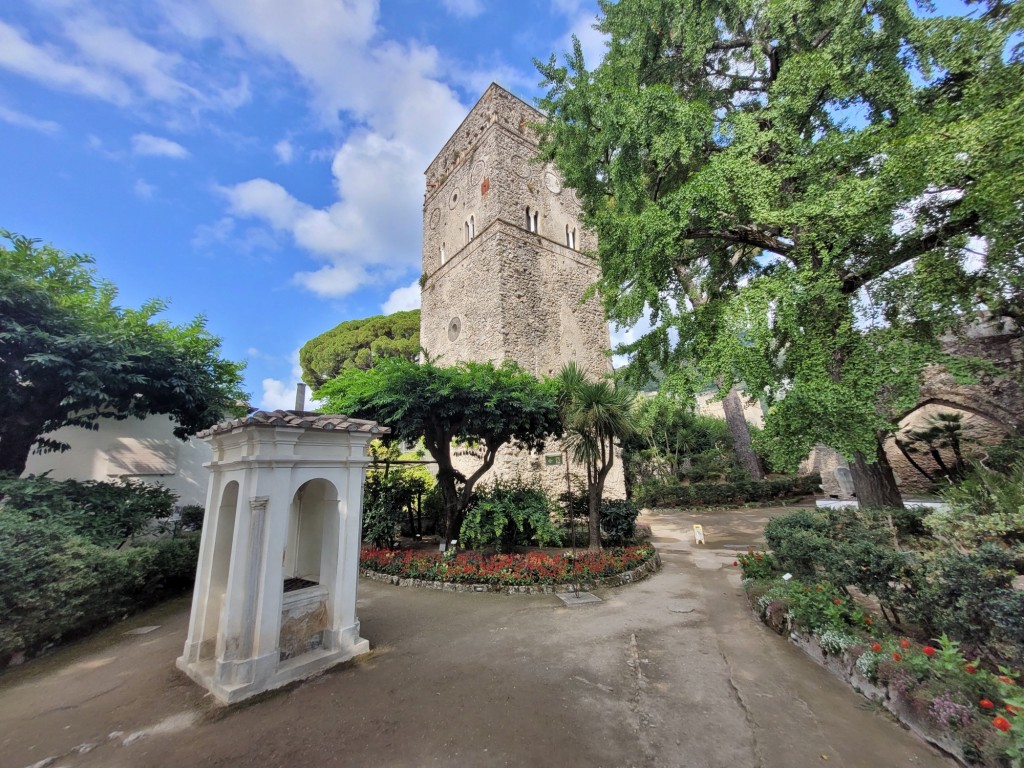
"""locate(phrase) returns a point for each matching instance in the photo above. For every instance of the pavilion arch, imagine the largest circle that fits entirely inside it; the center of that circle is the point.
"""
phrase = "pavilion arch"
(313, 523)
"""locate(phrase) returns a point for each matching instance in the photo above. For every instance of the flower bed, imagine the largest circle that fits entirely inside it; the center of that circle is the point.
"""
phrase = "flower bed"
(970, 711)
(531, 572)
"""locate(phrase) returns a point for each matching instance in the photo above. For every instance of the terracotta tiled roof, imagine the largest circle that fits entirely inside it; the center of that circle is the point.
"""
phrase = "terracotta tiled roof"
(302, 419)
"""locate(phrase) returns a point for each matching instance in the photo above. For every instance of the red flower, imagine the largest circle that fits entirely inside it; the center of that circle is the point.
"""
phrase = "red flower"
(928, 651)
(904, 643)
(876, 647)
(986, 704)
(837, 601)
(1004, 679)
(970, 669)
(1001, 723)
(896, 656)
(1012, 709)
(734, 562)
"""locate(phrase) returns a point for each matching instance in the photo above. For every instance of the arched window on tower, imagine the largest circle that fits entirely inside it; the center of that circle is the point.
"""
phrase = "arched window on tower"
(535, 229)
(442, 254)
(572, 239)
(568, 242)
(529, 220)
(466, 232)
(472, 227)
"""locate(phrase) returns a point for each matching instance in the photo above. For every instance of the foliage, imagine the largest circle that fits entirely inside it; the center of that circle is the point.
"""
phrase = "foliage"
(597, 416)
(966, 596)
(722, 494)
(970, 597)
(69, 356)
(191, 517)
(56, 585)
(760, 566)
(391, 493)
(106, 514)
(507, 514)
(786, 196)
(671, 441)
(474, 403)
(511, 570)
(359, 344)
(987, 506)
(618, 520)
(943, 432)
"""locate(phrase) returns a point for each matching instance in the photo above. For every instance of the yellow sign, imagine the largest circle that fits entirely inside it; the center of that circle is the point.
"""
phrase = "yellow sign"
(698, 534)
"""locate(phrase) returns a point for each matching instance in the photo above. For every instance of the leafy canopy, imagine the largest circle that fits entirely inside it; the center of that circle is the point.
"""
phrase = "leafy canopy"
(359, 344)
(787, 189)
(473, 403)
(69, 356)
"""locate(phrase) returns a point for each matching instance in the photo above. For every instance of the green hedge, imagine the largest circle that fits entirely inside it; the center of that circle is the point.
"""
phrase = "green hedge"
(659, 494)
(56, 585)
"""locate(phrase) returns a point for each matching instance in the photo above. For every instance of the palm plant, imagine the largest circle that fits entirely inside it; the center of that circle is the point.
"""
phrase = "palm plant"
(595, 415)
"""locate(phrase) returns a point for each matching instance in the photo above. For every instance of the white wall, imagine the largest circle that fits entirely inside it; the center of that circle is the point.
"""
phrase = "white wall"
(138, 449)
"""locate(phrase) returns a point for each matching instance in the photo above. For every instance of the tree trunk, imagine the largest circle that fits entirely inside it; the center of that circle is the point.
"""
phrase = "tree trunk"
(875, 484)
(594, 499)
(15, 446)
(740, 431)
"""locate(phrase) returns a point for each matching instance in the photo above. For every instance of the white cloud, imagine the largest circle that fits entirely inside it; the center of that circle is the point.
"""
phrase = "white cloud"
(143, 189)
(466, 9)
(406, 297)
(155, 146)
(225, 232)
(277, 395)
(22, 120)
(333, 280)
(285, 151)
(582, 18)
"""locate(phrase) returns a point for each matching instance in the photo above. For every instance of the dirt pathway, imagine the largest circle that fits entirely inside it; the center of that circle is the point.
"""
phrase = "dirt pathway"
(672, 671)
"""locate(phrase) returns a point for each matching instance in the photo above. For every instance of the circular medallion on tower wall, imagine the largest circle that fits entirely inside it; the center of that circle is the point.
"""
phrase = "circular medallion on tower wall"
(521, 166)
(454, 328)
(454, 199)
(477, 173)
(552, 182)
(435, 218)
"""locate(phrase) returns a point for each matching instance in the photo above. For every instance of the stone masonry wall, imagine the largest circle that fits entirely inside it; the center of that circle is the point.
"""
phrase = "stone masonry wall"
(501, 291)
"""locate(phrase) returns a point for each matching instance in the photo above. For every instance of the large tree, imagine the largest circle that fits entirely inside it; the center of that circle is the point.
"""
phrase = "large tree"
(358, 344)
(789, 188)
(472, 403)
(69, 356)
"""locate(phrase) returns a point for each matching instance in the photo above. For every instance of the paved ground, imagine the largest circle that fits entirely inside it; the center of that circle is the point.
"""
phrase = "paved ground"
(672, 671)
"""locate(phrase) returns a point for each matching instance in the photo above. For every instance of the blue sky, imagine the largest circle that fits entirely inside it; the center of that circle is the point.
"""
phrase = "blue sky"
(257, 161)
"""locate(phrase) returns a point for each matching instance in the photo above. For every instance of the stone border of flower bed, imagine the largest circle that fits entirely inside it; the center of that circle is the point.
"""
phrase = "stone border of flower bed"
(639, 573)
(844, 667)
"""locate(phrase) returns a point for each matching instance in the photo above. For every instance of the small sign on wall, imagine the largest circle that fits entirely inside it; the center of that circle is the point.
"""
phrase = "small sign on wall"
(698, 534)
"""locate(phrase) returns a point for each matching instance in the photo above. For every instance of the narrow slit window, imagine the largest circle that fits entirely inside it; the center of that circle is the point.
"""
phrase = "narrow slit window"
(442, 254)
(466, 225)
(472, 227)
(534, 222)
(572, 239)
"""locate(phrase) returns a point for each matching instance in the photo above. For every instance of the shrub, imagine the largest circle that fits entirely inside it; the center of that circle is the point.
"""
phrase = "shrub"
(57, 585)
(668, 494)
(618, 520)
(987, 506)
(191, 517)
(970, 597)
(508, 514)
(107, 514)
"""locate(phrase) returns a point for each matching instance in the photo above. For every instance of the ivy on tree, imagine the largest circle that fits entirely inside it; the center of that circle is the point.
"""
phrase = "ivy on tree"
(475, 404)
(793, 193)
(69, 356)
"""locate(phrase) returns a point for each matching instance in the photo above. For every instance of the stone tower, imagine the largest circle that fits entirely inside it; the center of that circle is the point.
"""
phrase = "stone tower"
(503, 268)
